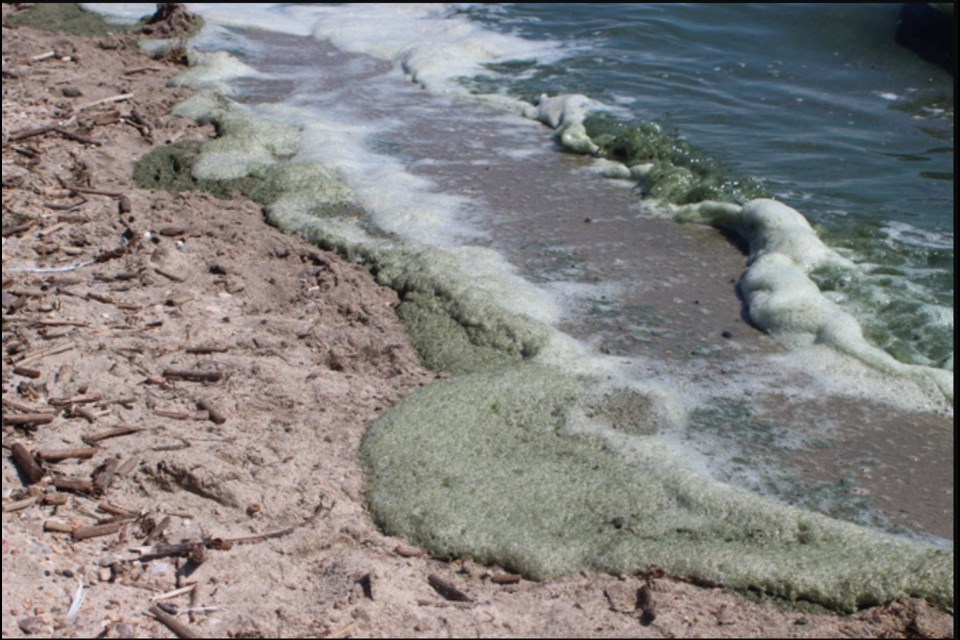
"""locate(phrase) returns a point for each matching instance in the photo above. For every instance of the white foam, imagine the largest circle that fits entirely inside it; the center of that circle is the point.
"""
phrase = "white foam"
(783, 300)
(908, 234)
(565, 114)
(121, 12)
(431, 43)
(399, 202)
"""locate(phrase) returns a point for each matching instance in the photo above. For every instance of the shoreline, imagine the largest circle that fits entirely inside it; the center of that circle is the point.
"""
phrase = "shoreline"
(311, 354)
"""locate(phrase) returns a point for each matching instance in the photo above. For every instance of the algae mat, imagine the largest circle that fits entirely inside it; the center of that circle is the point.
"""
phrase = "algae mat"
(515, 467)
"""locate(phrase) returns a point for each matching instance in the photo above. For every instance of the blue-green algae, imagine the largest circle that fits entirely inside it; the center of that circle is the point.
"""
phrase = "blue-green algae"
(500, 467)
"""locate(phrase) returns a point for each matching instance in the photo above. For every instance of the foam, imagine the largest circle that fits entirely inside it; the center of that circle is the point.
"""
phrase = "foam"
(429, 43)
(400, 203)
(121, 12)
(210, 68)
(780, 296)
(565, 114)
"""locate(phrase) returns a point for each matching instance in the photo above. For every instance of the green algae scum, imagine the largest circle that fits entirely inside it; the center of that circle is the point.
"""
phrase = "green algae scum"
(521, 463)
(504, 467)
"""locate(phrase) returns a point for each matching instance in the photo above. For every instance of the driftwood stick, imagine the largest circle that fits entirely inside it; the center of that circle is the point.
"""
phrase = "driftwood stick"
(76, 137)
(45, 352)
(115, 510)
(57, 527)
(409, 551)
(29, 133)
(225, 544)
(169, 275)
(92, 440)
(96, 192)
(26, 463)
(85, 413)
(58, 402)
(80, 485)
(117, 98)
(173, 594)
(26, 408)
(57, 455)
(27, 372)
(179, 629)
(97, 530)
(55, 499)
(27, 419)
(17, 505)
(505, 578)
(446, 589)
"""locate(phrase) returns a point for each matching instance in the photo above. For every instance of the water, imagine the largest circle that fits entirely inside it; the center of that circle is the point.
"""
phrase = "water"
(732, 349)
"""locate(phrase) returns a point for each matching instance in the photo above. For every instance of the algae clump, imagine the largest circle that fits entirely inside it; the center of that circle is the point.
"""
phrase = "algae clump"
(507, 467)
(452, 329)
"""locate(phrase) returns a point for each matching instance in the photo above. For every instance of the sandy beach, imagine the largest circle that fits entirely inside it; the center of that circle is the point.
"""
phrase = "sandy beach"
(185, 389)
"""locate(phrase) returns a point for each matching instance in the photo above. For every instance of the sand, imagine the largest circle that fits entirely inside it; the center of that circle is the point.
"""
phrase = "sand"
(244, 366)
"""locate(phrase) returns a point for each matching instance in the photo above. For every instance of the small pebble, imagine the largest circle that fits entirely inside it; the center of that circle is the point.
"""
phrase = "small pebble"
(31, 625)
(727, 334)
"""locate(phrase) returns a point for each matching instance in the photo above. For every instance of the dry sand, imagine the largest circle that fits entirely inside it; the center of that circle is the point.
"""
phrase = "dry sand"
(247, 365)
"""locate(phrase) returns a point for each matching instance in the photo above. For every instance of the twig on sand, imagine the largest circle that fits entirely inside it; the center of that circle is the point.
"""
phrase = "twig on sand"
(26, 463)
(97, 530)
(117, 98)
(73, 266)
(92, 440)
(180, 629)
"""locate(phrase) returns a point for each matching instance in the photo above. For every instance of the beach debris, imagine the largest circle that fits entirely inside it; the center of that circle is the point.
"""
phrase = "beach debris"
(447, 589)
(77, 602)
(646, 605)
(27, 420)
(216, 416)
(26, 463)
(77, 485)
(180, 629)
(97, 530)
(58, 455)
(18, 505)
(409, 551)
(31, 625)
(55, 526)
(92, 440)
